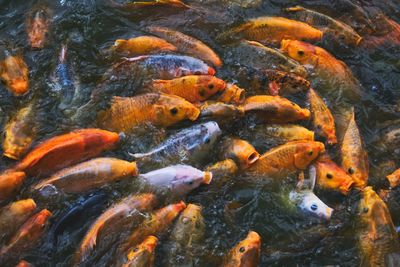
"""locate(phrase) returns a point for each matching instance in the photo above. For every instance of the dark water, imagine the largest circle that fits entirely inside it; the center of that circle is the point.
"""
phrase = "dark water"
(289, 238)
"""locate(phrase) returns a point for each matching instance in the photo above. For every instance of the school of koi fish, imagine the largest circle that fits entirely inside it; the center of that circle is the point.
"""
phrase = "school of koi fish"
(206, 136)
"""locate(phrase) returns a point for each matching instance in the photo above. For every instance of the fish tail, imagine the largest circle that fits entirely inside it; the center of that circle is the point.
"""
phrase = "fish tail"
(138, 155)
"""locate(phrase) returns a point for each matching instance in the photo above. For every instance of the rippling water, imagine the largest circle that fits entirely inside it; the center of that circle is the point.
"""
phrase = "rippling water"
(89, 27)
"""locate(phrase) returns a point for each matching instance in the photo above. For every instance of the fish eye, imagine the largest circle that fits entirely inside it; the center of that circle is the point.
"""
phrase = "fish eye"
(314, 207)
(350, 170)
(242, 249)
(300, 53)
(207, 140)
(329, 176)
(210, 86)
(365, 209)
(173, 111)
(310, 153)
(189, 182)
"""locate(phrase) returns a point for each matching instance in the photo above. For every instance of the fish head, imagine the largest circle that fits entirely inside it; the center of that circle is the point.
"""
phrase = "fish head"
(208, 86)
(306, 152)
(233, 94)
(172, 109)
(141, 255)
(309, 203)
(36, 224)
(302, 52)
(212, 134)
(330, 176)
(19, 85)
(289, 109)
(188, 178)
(241, 151)
(195, 67)
(372, 210)
(247, 251)
(190, 225)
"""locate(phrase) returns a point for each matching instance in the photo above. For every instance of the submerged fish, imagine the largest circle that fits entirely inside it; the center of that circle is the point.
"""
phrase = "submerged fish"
(377, 238)
(330, 176)
(67, 149)
(62, 80)
(142, 45)
(187, 234)
(89, 174)
(254, 55)
(179, 179)
(113, 222)
(322, 117)
(337, 29)
(394, 178)
(157, 222)
(245, 253)
(37, 27)
(309, 203)
(190, 145)
(26, 237)
(220, 111)
(240, 151)
(286, 159)
(272, 30)
(161, 110)
(153, 3)
(13, 216)
(232, 94)
(24, 264)
(274, 109)
(14, 73)
(20, 132)
(187, 45)
(10, 183)
(141, 255)
(193, 88)
(331, 72)
(354, 156)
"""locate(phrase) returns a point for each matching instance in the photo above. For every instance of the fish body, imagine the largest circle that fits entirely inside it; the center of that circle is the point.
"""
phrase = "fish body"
(143, 254)
(10, 183)
(322, 118)
(189, 145)
(186, 235)
(394, 178)
(37, 27)
(20, 132)
(179, 179)
(90, 174)
(155, 224)
(142, 45)
(377, 238)
(232, 94)
(285, 159)
(240, 151)
(161, 67)
(226, 167)
(161, 110)
(354, 156)
(15, 74)
(220, 111)
(143, 4)
(287, 132)
(330, 176)
(116, 220)
(13, 216)
(272, 30)
(62, 80)
(274, 109)
(246, 253)
(193, 88)
(326, 24)
(333, 73)
(187, 45)
(67, 149)
(309, 203)
(26, 237)
(254, 55)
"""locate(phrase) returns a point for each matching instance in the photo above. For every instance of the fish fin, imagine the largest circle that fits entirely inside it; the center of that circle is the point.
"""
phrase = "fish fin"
(119, 42)
(131, 59)
(116, 99)
(159, 81)
(273, 88)
(137, 155)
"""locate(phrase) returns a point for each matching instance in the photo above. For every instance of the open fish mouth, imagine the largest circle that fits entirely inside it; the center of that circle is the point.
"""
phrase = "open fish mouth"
(207, 177)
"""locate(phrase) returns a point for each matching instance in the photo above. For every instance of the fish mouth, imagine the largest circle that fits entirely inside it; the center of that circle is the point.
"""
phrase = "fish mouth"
(285, 45)
(211, 71)
(305, 113)
(20, 86)
(393, 181)
(328, 213)
(207, 177)
(194, 114)
(253, 157)
(345, 187)
(151, 243)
